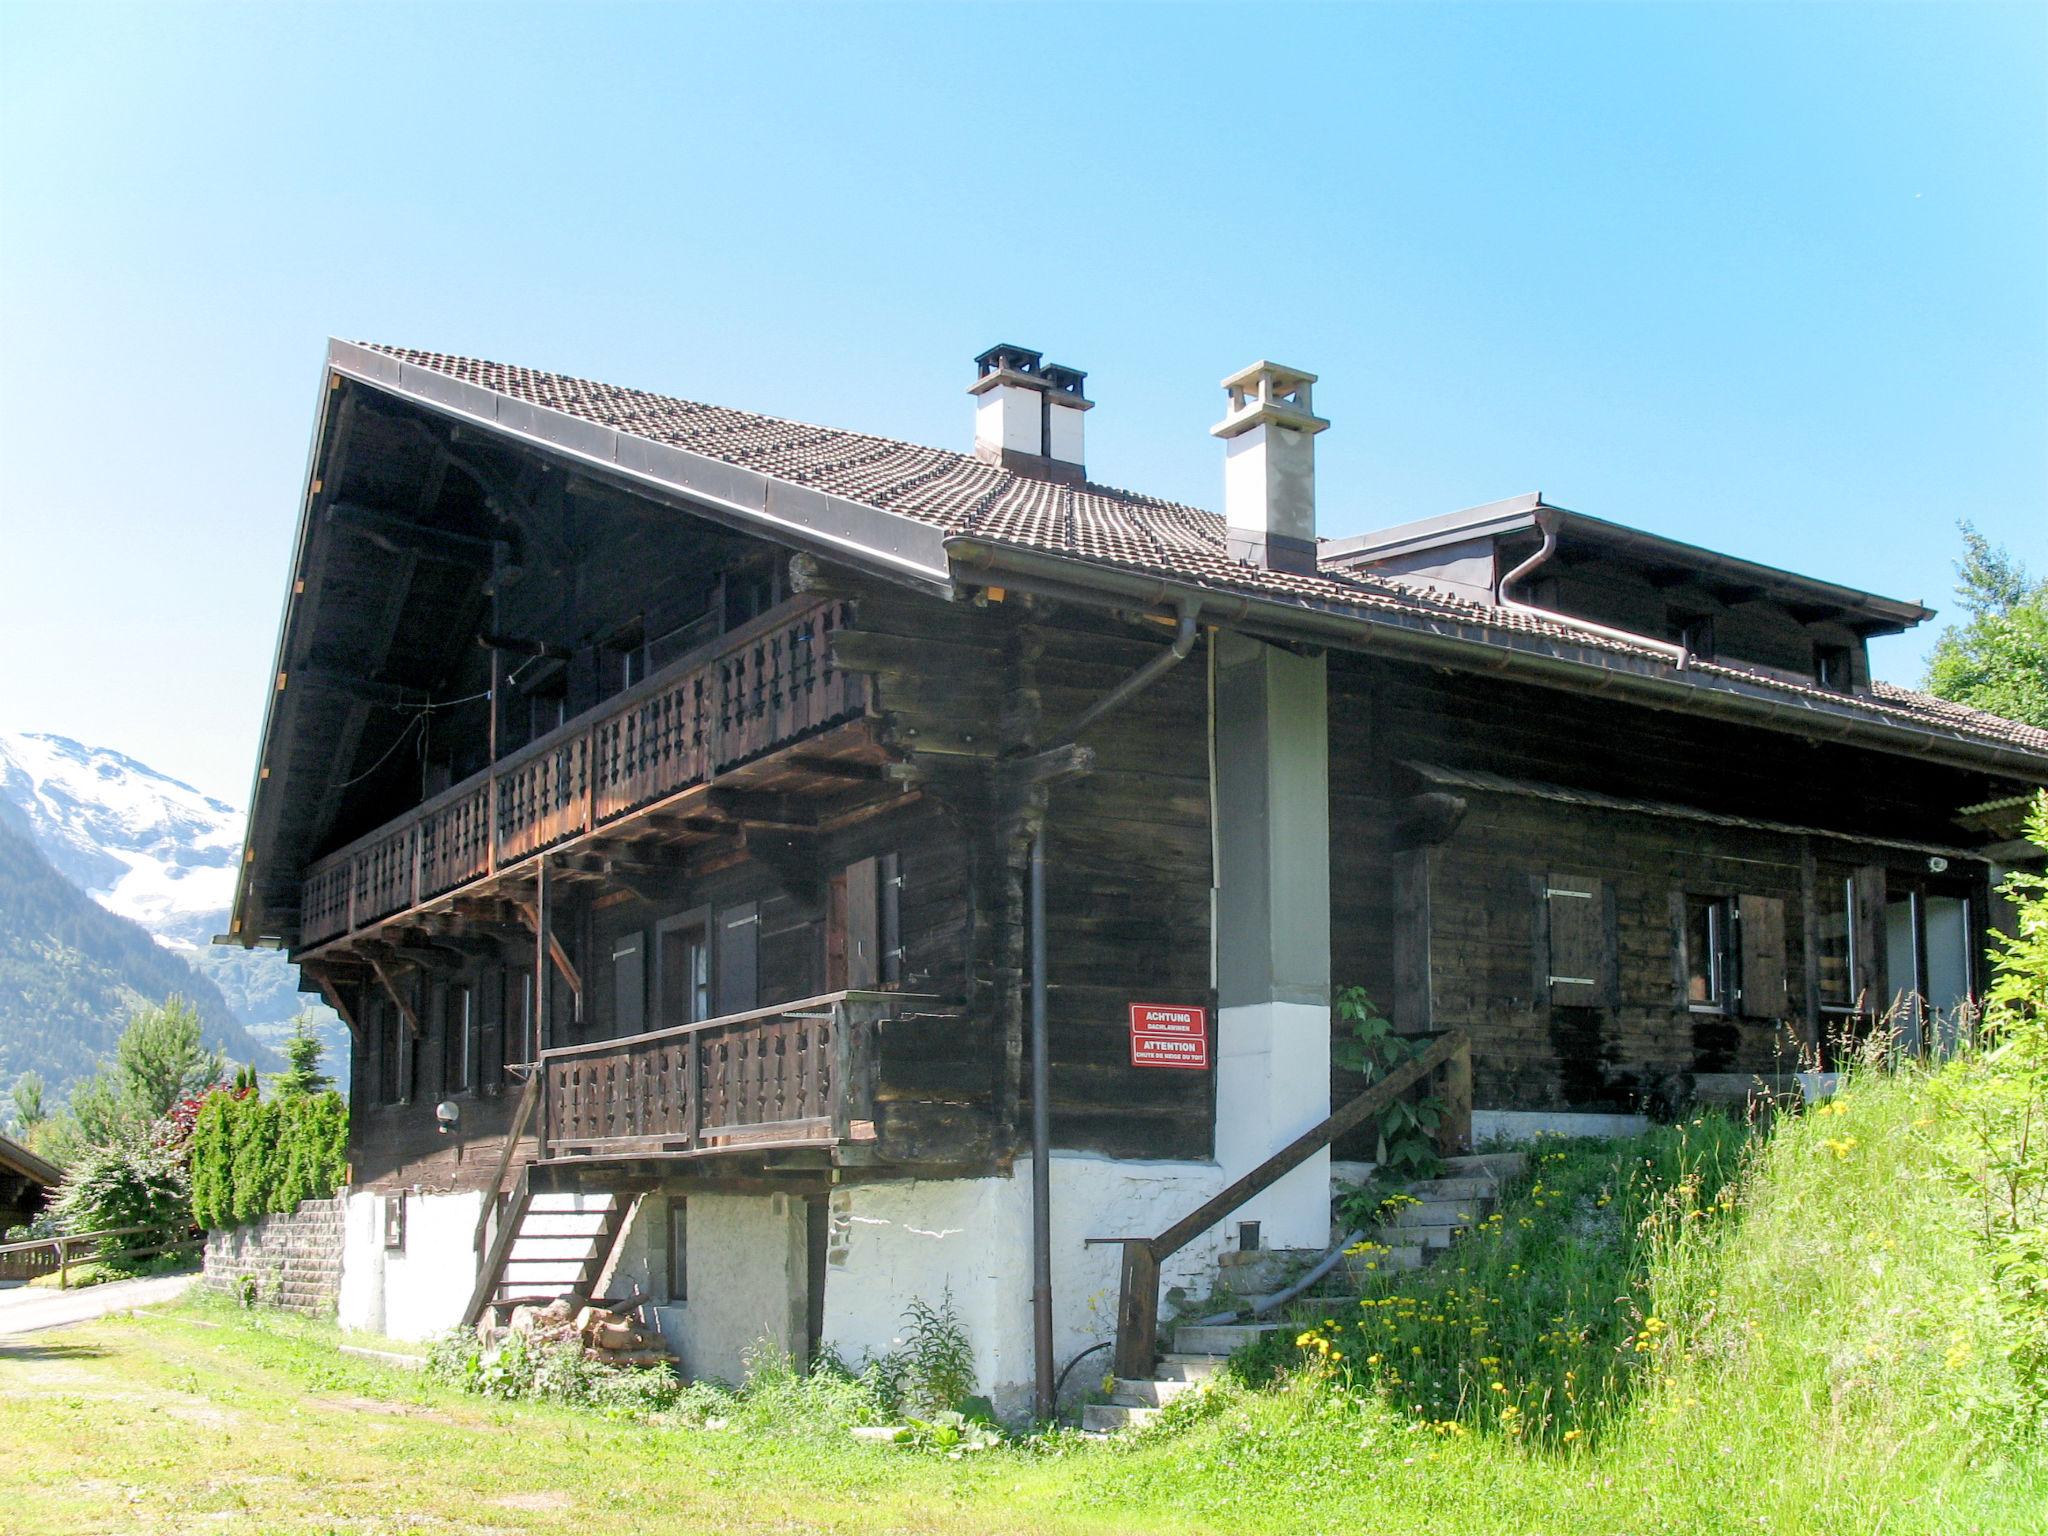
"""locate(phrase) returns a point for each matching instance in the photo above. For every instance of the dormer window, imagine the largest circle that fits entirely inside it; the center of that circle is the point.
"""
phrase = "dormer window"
(1832, 667)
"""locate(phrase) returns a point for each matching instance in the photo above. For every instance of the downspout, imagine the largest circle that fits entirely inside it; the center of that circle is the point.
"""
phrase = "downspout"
(1676, 653)
(1044, 1385)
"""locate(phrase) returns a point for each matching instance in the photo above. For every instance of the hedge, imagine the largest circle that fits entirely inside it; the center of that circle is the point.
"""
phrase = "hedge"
(250, 1157)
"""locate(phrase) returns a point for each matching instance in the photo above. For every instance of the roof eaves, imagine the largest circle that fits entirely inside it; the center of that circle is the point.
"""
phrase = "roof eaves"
(1477, 647)
(834, 526)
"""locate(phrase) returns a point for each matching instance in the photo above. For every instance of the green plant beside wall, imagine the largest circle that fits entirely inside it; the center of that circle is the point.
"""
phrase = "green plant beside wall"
(251, 1158)
(1407, 1127)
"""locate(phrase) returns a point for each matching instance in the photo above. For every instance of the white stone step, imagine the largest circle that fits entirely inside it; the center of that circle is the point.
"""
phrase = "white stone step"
(1108, 1418)
(1472, 1187)
(1394, 1251)
(1499, 1165)
(1240, 1258)
(1436, 1213)
(1148, 1394)
(1434, 1235)
(1188, 1368)
(1217, 1338)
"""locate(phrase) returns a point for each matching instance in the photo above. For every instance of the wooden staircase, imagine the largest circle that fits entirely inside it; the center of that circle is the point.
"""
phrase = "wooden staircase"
(548, 1241)
(1438, 1212)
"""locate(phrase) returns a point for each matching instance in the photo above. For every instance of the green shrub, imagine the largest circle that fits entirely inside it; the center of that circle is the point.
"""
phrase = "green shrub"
(250, 1157)
(132, 1181)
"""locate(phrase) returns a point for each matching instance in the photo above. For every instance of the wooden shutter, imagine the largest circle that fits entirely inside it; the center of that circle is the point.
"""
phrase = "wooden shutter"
(490, 1030)
(736, 964)
(1760, 954)
(890, 918)
(629, 983)
(1579, 921)
(863, 925)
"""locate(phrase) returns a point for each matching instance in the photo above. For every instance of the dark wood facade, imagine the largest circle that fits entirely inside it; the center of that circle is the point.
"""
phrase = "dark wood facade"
(1489, 837)
(579, 775)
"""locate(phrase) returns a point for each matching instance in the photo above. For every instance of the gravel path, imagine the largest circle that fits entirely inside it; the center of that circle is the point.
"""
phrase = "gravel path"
(28, 1309)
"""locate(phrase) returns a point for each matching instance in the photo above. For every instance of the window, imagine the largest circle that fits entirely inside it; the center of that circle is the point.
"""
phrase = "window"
(1834, 932)
(682, 965)
(457, 1020)
(519, 1018)
(623, 658)
(678, 1251)
(1709, 927)
(1731, 954)
(751, 592)
(1832, 667)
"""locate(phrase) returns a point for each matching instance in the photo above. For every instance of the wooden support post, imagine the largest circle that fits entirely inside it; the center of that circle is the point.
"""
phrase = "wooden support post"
(542, 916)
(398, 997)
(1137, 1313)
(1454, 1131)
(558, 954)
(63, 1263)
(330, 993)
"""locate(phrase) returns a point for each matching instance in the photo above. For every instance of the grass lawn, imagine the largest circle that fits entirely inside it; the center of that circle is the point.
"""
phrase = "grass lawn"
(1830, 1359)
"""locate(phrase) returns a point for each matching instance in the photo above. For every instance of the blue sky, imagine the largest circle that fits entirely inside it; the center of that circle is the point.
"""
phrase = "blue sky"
(1772, 280)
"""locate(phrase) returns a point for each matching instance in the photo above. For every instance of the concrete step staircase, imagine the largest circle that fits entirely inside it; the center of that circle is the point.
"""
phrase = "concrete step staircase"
(1443, 1210)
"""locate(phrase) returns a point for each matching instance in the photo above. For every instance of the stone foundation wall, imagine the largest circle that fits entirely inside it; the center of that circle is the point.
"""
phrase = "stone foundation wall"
(294, 1259)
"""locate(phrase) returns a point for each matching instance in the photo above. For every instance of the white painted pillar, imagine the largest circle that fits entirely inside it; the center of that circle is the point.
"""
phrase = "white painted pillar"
(1272, 789)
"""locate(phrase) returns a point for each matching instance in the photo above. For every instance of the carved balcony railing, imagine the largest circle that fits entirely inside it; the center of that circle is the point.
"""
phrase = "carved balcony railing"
(758, 689)
(801, 1075)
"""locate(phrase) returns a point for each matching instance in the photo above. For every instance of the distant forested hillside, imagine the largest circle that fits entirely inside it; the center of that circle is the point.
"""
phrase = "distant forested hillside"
(70, 971)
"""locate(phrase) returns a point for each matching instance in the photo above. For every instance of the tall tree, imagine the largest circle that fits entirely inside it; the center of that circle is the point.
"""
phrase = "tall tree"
(28, 1102)
(159, 1059)
(1997, 659)
(303, 1052)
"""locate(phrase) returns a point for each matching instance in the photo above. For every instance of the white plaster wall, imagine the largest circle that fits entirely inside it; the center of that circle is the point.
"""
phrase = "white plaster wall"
(748, 1281)
(892, 1242)
(416, 1291)
(1273, 1083)
(361, 1302)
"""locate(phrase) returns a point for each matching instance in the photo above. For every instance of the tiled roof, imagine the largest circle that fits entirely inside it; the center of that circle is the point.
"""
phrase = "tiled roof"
(961, 495)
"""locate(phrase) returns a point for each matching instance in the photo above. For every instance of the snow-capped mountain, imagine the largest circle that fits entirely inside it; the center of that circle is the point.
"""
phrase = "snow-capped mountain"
(141, 843)
(161, 853)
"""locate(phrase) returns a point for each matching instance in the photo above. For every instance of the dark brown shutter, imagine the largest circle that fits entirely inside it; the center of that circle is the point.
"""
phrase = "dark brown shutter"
(1760, 936)
(736, 963)
(863, 925)
(1579, 921)
(891, 918)
(490, 1030)
(629, 983)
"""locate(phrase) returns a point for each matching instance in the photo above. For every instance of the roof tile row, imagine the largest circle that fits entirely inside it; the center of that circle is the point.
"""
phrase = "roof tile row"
(963, 495)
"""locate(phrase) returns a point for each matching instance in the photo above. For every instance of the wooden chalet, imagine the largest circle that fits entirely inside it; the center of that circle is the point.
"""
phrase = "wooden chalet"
(27, 1184)
(664, 793)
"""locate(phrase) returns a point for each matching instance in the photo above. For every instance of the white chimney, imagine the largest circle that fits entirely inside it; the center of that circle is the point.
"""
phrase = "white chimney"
(1028, 414)
(1269, 467)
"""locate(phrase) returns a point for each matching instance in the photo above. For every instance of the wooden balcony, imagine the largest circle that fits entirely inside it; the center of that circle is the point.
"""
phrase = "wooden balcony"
(764, 687)
(801, 1075)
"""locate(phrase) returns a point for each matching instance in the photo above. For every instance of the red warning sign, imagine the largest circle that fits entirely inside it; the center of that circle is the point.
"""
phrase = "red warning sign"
(1169, 1036)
